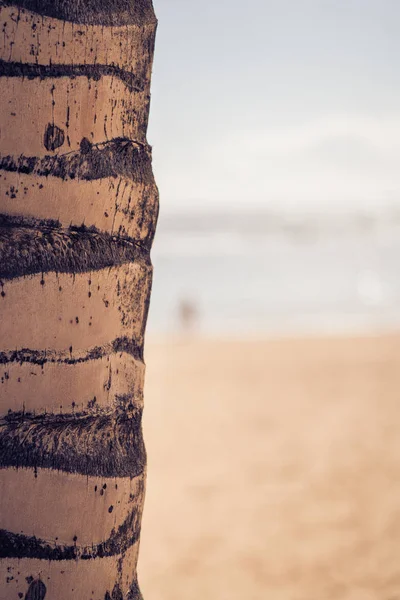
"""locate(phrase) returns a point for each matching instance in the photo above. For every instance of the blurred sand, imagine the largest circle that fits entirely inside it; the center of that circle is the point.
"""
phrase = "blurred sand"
(274, 470)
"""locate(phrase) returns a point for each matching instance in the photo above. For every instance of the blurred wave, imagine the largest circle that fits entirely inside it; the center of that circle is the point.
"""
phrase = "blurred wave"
(263, 273)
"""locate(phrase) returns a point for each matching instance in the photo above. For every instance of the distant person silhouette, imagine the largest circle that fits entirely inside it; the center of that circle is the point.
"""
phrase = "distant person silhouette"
(188, 315)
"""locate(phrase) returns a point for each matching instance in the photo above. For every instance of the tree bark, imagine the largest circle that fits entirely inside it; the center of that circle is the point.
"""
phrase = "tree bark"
(78, 206)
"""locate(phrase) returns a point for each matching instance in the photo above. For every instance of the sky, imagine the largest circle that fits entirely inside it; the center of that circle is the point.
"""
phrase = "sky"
(278, 104)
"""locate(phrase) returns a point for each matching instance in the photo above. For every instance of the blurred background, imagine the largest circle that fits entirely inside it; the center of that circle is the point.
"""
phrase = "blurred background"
(272, 349)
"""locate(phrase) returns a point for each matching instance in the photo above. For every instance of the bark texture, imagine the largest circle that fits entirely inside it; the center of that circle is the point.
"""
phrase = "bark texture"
(78, 210)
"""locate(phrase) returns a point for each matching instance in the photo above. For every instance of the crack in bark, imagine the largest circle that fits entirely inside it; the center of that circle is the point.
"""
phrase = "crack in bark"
(133, 82)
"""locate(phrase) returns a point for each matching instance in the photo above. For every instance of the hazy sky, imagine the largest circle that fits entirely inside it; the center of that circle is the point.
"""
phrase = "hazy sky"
(290, 103)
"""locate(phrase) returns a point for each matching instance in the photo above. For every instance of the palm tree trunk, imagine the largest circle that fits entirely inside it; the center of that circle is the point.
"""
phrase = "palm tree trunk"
(78, 206)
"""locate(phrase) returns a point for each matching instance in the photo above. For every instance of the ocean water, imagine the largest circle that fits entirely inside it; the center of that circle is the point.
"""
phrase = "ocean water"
(275, 274)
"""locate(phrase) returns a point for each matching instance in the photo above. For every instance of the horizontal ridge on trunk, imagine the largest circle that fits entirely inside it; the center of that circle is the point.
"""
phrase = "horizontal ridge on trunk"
(30, 39)
(114, 205)
(54, 71)
(43, 248)
(108, 445)
(41, 357)
(76, 576)
(14, 545)
(118, 157)
(57, 387)
(64, 311)
(91, 12)
(107, 111)
(104, 504)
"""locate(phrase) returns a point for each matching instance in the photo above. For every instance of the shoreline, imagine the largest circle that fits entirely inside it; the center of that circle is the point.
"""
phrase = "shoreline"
(266, 336)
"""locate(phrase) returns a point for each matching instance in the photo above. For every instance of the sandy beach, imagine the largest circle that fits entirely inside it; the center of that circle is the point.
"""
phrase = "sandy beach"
(273, 470)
